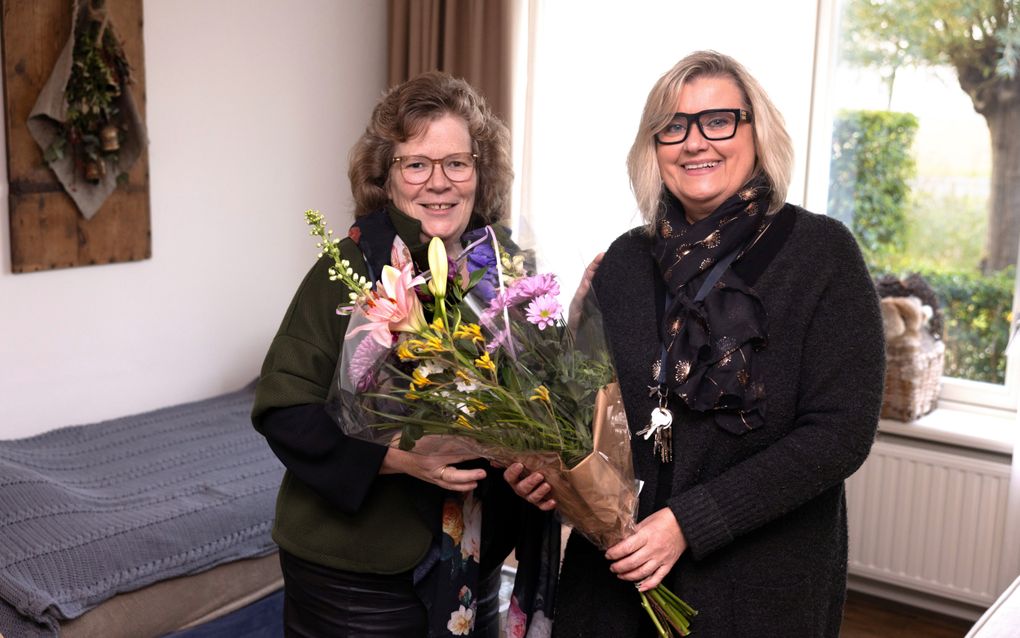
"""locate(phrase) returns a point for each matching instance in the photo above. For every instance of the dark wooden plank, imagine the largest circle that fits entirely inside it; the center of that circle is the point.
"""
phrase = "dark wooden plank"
(870, 617)
(47, 230)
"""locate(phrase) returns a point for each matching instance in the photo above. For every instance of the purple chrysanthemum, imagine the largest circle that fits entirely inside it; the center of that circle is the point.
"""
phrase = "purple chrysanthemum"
(537, 286)
(523, 290)
(364, 362)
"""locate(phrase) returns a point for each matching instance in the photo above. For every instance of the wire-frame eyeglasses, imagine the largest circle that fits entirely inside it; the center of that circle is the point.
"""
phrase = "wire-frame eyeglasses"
(417, 169)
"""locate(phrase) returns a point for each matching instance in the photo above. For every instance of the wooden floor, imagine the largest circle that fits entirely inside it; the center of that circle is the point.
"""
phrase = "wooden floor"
(869, 617)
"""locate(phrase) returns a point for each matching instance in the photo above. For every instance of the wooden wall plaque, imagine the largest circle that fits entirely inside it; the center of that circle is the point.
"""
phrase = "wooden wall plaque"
(46, 229)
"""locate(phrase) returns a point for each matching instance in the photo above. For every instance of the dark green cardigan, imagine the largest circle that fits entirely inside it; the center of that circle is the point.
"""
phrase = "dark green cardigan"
(386, 534)
(390, 528)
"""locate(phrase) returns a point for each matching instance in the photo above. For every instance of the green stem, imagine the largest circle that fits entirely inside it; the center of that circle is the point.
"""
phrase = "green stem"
(671, 608)
(663, 632)
(678, 602)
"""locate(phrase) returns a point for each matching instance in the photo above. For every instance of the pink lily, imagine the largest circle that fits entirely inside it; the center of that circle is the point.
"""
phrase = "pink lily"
(394, 306)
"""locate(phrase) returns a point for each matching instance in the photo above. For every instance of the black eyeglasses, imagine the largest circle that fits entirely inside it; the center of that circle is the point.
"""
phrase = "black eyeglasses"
(417, 169)
(714, 124)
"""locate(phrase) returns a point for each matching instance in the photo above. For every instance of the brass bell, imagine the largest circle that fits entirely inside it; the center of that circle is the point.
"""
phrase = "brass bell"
(109, 138)
(93, 171)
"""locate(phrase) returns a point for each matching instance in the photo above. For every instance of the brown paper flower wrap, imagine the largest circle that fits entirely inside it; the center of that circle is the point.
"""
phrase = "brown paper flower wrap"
(598, 496)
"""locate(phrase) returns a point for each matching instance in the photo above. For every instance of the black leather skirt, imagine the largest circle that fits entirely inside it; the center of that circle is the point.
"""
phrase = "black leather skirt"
(322, 602)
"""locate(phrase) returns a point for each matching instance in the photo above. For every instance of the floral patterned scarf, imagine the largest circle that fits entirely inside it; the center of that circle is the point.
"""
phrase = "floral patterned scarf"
(709, 344)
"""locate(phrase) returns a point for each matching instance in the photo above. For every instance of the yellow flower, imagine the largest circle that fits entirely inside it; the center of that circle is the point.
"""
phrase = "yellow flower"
(404, 352)
(541, 394)
(433, 344)
(439, 267)
(470, 331)
(437, 325)
(411, 395)
(485, 363)
(463, 422)
(419, 380)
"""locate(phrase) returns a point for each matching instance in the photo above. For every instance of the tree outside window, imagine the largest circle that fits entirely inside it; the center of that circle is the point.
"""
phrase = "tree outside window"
(926, 158)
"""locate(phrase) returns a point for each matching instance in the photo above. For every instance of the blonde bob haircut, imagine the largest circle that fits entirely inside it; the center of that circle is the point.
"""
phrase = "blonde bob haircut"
(404, 112)
(773, 147)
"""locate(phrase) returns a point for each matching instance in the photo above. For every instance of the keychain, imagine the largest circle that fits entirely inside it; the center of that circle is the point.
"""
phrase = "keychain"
(660, 425)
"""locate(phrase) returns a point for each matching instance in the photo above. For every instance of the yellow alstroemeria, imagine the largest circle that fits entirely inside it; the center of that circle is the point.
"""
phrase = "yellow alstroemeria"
(470, 331)
(404, 352)
(433, 344)
(464, 423)
(541, 394)
(439, 267)
(485, 363)
(419, 380)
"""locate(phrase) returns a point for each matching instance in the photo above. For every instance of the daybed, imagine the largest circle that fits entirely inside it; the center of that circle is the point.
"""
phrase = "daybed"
(150, 525)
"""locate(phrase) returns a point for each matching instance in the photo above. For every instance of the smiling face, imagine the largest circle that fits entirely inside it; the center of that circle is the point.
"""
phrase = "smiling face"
(443, 207)
(702, 173)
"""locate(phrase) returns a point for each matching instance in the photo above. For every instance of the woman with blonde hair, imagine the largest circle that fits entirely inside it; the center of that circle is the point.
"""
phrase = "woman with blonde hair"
(748, 342)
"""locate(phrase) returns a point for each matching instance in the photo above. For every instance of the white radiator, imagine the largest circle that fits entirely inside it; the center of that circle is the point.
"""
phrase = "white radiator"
(929, 520)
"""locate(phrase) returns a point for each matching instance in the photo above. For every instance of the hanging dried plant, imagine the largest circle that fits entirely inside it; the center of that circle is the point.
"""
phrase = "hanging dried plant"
(93, 128)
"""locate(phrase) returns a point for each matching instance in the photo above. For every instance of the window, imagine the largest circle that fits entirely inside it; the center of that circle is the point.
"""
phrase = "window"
(582, 73)
(906, 161)
(577, 107)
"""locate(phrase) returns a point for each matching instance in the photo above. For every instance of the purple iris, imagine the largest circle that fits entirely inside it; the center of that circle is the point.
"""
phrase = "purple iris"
(482, 255)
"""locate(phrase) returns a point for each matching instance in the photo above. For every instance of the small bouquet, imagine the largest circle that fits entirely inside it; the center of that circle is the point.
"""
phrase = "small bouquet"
(477, 349)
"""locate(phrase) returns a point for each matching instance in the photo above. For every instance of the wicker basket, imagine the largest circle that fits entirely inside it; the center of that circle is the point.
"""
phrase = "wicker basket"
(913, 376)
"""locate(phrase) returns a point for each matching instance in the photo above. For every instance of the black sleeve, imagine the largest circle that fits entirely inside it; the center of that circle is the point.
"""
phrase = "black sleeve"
(339, 468)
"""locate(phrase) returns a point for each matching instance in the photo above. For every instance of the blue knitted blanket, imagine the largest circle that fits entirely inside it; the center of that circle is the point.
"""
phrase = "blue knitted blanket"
(90, 511)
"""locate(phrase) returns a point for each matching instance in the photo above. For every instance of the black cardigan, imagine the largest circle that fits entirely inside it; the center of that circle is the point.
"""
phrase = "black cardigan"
(763, 513)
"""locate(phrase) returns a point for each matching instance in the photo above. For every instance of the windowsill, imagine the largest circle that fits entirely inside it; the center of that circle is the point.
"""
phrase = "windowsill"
(961, 425)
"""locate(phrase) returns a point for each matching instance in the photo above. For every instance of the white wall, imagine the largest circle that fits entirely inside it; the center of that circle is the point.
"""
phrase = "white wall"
(252, 107)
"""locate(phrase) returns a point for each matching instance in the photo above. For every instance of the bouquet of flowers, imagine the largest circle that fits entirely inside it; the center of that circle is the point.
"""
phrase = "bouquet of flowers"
(477, 349)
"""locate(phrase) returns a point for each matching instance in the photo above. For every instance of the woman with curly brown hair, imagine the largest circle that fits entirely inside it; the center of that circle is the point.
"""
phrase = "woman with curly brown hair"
(374, 540)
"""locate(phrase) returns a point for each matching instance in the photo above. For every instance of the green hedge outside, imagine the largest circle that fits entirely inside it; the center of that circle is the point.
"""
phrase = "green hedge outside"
(869, 191)
(869, 178)
(977, 311)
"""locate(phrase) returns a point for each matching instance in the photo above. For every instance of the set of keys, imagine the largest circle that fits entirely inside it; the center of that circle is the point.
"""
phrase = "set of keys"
(660, 425)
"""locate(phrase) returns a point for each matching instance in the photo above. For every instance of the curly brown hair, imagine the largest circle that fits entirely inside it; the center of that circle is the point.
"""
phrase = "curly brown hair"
(404, 112)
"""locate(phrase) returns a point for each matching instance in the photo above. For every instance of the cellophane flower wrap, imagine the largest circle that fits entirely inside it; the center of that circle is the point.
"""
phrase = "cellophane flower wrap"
(477, 351)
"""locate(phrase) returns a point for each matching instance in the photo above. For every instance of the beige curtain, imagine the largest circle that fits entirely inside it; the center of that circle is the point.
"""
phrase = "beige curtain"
(470, 39)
